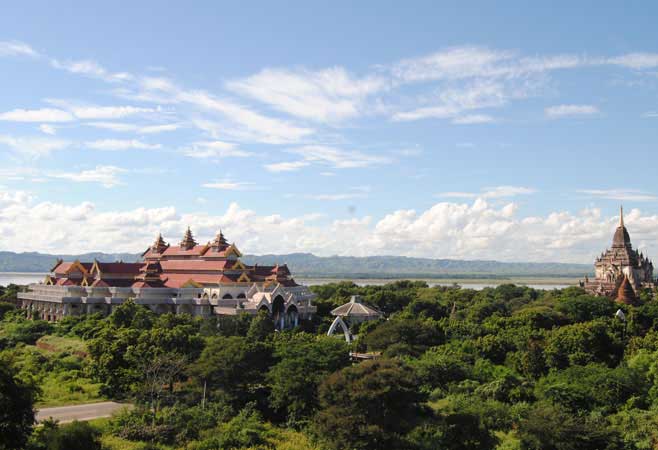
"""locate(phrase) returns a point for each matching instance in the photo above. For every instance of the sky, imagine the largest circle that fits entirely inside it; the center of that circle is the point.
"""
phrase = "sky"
(470, 130)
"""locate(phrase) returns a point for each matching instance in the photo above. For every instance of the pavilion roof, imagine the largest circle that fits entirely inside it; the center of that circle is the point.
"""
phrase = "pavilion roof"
(354, 308)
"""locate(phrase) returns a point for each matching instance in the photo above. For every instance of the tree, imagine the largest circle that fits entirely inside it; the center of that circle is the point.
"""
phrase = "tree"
(368, 406)
(73, 436)
(582, 343)
(548, 427)
(404, 336)
(233, 364)
(16, 407)
(304, 361)
(158, 376)
(459, 431)
(261, 328)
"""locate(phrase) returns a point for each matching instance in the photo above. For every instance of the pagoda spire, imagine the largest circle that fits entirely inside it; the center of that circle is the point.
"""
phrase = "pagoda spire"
(621, 216)
(188, 241)
(159, 245)
(220, 242)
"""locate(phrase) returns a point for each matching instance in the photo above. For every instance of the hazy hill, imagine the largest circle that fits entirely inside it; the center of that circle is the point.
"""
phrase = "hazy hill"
(393, 266)
(306, 264)
(41, 262)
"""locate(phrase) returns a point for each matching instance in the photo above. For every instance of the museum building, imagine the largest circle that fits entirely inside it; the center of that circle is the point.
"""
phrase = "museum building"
(198, 279)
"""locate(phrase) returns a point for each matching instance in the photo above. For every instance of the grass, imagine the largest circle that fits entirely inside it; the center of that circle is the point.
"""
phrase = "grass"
(111, 442)
(58, 364)
(63, 390)
(59, 344)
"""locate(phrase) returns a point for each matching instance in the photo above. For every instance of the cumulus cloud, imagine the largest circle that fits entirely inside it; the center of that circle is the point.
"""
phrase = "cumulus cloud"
(559, 111)
(474, 230)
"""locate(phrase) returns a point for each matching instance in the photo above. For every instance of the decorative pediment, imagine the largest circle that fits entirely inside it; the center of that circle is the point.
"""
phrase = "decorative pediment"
(49, 280)
(95, 269)
(233, 250)
(239, 265)
(191, 284)
(77, 265)
(244, 278)
(57, 263)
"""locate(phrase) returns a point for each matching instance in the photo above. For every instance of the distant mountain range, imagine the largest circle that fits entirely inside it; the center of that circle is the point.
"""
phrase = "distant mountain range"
(308, 265)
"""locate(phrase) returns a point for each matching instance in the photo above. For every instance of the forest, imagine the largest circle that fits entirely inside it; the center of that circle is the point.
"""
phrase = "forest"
(500, 368)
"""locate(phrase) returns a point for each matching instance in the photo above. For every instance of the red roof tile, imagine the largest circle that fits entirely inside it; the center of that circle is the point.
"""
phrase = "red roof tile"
(119, 268)
(195, 265)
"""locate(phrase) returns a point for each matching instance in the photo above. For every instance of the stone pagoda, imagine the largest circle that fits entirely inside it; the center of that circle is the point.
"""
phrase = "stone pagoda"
(621, 272)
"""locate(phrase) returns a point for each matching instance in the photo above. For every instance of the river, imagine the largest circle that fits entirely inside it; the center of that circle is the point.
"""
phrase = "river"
(548, 284)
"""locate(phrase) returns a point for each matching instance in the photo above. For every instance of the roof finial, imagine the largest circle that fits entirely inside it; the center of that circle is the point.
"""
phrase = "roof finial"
(621, 216)
(188, 241)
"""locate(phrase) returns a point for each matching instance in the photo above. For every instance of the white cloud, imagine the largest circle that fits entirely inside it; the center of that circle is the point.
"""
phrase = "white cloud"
(445, 230)
(464, 62)
(229, 185)
(114, 126)
(452, 102)
(247, 125)
(650, 114)
(289, 166)
(107, 112)
(107, 176)
(633, 195)
(325, 96)
(491, 192)
(636, 60)
(34, 147)
(121, 144)
(16, 48)
(132, 128)
(92, 69)
(559, 111)
(36, 115)
(154, 129)
(339, 158)
(473, 119)
(214, 150)
(86, 111)
(48, 129)
(353, 193)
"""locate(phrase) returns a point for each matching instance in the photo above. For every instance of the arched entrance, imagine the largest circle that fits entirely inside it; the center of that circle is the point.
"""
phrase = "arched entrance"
(278, 312)
(292, 317)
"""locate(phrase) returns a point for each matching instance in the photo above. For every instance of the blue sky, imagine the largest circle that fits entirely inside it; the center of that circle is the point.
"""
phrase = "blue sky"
(439, 129)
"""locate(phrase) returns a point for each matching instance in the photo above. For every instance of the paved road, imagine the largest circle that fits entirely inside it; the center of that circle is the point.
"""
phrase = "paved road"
(80, 412)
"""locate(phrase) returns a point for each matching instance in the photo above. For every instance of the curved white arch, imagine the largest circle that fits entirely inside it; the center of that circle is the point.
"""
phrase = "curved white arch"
(339, 321)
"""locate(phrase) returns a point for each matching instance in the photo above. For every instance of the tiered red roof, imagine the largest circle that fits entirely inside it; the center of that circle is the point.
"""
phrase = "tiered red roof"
(187, 264)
